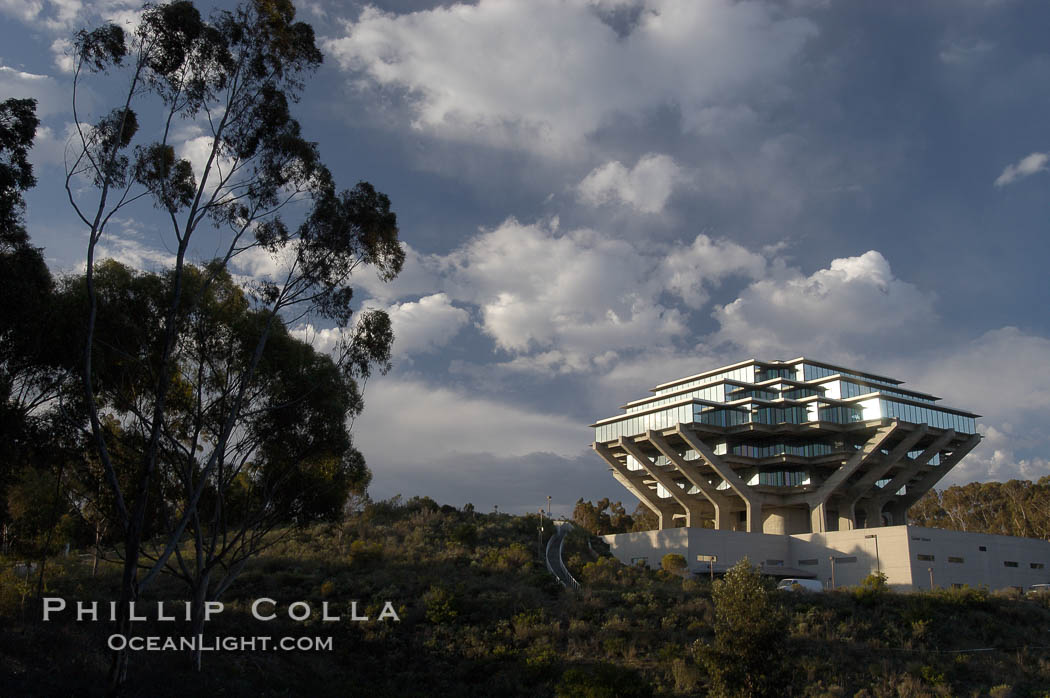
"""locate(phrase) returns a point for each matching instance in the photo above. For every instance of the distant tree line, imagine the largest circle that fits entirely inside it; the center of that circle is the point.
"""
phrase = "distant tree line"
(1013, 508)
(607, 517)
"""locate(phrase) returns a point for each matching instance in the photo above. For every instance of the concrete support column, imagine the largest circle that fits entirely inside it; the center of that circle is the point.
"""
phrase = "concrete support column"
(720, 502)
(688, 502)
(634, 482)
(817, 501)
(818, 520)
(847, 516)
(752, 501)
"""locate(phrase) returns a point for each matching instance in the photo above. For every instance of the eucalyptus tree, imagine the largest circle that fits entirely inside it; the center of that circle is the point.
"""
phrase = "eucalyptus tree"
(257, 190)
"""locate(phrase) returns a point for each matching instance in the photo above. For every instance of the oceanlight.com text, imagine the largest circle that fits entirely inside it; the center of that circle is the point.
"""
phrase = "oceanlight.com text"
(229, 643)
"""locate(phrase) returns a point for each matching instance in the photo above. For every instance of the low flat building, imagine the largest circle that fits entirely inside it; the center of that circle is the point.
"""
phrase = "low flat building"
(911, 557)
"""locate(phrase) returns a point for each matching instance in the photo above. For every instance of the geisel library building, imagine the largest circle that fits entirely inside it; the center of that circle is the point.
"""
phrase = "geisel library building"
(807, 469)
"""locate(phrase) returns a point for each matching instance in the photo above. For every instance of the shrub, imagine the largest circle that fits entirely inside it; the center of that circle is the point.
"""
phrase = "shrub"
(441, 605)
(602, 681)
(673, 562)
(872, 588)
(747, 656)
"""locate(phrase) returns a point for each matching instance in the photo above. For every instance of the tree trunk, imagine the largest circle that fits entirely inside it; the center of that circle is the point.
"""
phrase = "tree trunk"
(200, 596)
(129, 592)
(98, 539)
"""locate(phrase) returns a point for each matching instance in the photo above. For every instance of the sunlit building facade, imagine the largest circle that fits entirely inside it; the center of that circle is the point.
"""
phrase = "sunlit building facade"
(785, 447)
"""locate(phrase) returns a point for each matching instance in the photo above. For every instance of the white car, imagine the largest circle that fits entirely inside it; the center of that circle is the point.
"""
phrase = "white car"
(800, 585)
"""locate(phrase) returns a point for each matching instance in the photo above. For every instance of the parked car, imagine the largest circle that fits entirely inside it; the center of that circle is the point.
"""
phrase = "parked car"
(800, 585)
(1039, 588)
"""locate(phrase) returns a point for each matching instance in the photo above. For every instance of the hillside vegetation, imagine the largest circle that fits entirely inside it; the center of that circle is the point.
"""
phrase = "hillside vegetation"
(480, 615)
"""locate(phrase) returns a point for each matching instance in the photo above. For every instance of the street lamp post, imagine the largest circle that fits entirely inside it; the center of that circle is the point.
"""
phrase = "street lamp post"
(541, 531)
(548, 506)
(930, 570)
(711, 560)
(831, 559)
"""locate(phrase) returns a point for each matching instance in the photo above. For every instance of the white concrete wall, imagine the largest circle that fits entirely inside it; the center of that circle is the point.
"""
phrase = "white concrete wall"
(898, 551)
(978, 567)
(728, 546)
(887, 552)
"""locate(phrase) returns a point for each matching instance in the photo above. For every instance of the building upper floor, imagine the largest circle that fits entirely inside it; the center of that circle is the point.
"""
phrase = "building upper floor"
(797, 392)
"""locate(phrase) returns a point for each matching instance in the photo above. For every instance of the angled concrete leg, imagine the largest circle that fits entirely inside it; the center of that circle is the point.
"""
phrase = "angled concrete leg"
(818, 518)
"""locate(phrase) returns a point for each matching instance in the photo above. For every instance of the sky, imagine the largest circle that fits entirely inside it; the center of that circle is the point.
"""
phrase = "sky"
(597, 196)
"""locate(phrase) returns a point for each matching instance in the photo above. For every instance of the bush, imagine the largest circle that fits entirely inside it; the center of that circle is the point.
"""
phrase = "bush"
(747, 656)
(673, 562)
(872, 588)
(441, 605)
(602, 681)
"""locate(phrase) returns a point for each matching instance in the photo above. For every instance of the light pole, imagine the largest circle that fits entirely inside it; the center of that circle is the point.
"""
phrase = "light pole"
(541, 531)
(878, 563)
(712, 562)
(831, 559)
(930, 570)
(548, 506)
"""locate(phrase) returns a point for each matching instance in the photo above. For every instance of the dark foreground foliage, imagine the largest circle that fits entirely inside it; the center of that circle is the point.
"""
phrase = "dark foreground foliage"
(481, 616)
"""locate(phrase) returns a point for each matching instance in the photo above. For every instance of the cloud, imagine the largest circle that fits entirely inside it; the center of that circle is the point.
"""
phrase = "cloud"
(854, 308)
(62, 51)
(998, 374)
(580, 292)
(50, 97)
(554, 71)
(23, 10)
(426, 324)
(645, 188)
(411, 421)
(692, 271)
(1027, 166)
(420, 275)
(59, 16)
(566, 302)
(131, 252)
(324, 340)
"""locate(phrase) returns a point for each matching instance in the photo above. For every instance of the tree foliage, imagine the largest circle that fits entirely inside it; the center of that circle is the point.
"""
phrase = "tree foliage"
(607, 517)
(1013, 508)
(200, 390)
(746, 658)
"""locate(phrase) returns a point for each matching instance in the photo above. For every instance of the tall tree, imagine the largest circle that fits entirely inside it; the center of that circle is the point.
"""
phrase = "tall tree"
(746, 659)
(259, 191)
(30, 349)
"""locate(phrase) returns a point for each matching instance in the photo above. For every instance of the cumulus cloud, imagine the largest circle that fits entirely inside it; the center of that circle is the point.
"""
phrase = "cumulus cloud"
(580, 292)
(542, 75)
(645, 187)
(131, 252)
(419, 327)
(49, 95)
(426, 324)
(692, 271)
(853, 308)
(62, 15)
(566, 302)
(1025, 167)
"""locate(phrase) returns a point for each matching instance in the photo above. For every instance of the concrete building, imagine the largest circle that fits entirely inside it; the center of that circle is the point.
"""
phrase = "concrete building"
(807, 469)
(783, 447)
(911, 557)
